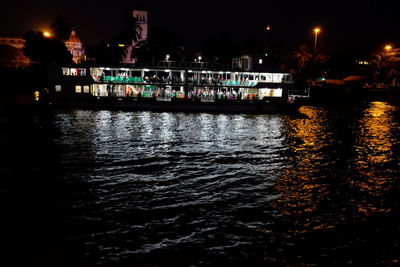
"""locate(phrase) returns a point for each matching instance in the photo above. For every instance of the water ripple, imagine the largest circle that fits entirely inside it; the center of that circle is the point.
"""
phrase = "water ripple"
(155, 189)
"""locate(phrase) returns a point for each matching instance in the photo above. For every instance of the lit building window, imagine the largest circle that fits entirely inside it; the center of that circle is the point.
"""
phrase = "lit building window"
(86, 88)
(58, 88)
(65, 71)
(78, 89)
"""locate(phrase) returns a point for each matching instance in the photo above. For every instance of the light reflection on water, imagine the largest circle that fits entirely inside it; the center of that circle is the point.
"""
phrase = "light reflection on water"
(137, 188)
(376, 158)
(304, 182)
(376, 139)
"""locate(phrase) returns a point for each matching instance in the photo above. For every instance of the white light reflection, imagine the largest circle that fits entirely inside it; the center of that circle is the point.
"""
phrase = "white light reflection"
(166, 127)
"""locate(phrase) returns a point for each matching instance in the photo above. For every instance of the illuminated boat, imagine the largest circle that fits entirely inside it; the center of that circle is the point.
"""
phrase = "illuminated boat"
(170, 89)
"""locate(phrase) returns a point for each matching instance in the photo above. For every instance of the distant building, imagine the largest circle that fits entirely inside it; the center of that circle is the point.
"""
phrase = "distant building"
(142, 17)
(142, 20)
(12, 55)
(11, 52)
(16, 42)
(76, 48)
(242, 63)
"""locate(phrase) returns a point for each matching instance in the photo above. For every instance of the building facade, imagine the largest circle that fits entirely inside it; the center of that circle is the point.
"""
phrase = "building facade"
(76, 48)
(11, 52)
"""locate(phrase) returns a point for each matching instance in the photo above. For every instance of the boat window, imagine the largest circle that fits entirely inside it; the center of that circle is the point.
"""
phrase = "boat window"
(82, 72)
(73, 72)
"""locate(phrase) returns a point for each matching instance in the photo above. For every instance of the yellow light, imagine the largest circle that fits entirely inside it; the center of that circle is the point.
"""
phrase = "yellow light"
(36, 95)
(46, 34)
(317, 30)
(388, 47)
(121, 45)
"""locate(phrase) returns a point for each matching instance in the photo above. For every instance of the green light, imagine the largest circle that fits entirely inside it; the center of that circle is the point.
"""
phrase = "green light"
(266, 54)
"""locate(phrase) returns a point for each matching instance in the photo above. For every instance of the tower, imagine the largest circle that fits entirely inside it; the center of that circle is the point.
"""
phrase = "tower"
(142, 18)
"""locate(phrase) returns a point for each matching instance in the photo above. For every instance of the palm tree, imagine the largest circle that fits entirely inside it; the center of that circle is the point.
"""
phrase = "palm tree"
(321, 57)
(129, 35)
(385, 66)
(61, 29)
(303, 56)
(131, 32)
(160, 42)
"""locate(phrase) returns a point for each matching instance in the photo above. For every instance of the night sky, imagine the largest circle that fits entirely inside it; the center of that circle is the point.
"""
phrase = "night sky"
(360, 25)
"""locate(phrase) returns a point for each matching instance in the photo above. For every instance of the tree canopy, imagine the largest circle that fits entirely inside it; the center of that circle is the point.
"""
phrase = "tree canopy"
(158, 44)
(61, 29)
(220, 47)
(44, 50)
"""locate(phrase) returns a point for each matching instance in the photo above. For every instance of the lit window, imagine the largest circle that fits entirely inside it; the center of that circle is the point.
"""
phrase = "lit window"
(74, 72)
(58, 88)
(78, 89)
(268, 92)
(65, 71)
(86, 88)
(277, 78)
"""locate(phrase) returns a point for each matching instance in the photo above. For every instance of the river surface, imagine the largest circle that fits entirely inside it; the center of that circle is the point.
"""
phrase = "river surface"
(110, 188)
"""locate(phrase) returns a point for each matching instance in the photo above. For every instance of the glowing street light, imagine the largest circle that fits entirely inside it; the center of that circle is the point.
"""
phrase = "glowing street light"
(266, 35)
(46, 34)
(167, 57)
(316, 31)
(199, 58)
(388, 47)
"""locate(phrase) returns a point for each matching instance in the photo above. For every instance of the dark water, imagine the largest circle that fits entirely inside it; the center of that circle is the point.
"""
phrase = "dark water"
(107, 188)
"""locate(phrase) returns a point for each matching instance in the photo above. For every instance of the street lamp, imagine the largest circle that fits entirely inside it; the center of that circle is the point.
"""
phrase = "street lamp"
(46, 34)
(199, 58)
(167, 57)
(266, 34)
(316, 31)
(388, 47)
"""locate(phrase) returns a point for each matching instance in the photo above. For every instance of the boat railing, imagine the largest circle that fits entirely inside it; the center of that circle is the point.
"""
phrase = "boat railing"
(181, 81)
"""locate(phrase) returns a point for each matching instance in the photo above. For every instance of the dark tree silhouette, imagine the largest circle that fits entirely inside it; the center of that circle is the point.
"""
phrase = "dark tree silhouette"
(159, 43)
(130, 32)
(108, 53)
(61, 29)
(8, 55)
(302, 56)
(221, 47)
(385, 66)
(45, 50)
(114, 51)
